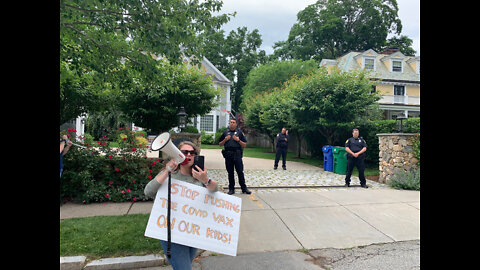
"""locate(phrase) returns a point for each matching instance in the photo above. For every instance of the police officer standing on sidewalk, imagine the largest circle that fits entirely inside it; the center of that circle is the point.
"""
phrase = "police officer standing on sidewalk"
(282, 147)
(234, 141)
(356, 148)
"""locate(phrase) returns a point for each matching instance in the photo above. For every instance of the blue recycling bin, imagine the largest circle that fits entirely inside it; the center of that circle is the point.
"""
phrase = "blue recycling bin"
(327, 158)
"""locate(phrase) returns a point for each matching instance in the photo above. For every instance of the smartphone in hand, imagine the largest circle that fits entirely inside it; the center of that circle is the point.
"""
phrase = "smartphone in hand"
(200, 161)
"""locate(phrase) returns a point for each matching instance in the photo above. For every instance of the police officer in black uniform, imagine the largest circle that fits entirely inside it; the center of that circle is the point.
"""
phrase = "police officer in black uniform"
(282, 147)
(234, 141)
(356, 148)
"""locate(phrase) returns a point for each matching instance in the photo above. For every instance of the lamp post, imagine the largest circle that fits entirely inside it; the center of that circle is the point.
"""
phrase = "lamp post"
(399, 122)
(182, 119)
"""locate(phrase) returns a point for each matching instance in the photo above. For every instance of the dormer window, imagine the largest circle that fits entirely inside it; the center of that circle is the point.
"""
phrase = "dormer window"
(394, 61)
(366, 60)
(396, 66)
(369, 63)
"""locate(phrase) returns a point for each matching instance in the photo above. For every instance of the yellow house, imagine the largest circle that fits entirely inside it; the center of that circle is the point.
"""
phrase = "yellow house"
(396, 76)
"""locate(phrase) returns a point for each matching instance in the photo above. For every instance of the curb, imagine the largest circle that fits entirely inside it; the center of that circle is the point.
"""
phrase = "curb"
(130, 262)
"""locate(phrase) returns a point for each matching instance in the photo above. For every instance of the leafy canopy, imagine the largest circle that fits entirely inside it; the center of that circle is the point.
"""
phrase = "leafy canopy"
(100, 39)
(330, 28)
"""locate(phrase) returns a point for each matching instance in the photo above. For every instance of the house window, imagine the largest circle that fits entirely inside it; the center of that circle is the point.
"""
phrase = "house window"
(399, 94)
(397, 66)
(206, 123)
(399, 90)
(369, 63)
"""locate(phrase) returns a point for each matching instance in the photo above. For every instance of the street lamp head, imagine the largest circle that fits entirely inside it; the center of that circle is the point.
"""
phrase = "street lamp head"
(399, 122)
(182, 119)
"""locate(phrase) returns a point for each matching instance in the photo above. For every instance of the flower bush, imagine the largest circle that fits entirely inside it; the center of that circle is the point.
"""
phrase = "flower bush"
(100, 173)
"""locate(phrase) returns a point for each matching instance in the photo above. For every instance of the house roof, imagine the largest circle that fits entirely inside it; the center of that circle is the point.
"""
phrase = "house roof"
(217, 75)
(349, 62)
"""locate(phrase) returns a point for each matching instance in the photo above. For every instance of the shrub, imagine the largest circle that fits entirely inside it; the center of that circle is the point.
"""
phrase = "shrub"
(101, 173)
(88, 139)
(218, 134)
(207, 138)
(191, 129)
(406, 180)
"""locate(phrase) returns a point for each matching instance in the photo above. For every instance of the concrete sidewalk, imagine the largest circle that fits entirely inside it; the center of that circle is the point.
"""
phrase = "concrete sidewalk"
(316, 219)
(312, 219)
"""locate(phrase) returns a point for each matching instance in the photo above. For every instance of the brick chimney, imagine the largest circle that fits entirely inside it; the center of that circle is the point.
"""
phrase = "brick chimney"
(390, 50)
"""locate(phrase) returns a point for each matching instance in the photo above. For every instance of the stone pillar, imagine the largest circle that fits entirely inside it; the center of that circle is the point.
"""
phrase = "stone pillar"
(396, 154)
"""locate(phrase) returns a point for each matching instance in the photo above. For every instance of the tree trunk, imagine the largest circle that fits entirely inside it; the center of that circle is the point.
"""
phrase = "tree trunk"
(272, 140)
(329, 135)
(299, 144)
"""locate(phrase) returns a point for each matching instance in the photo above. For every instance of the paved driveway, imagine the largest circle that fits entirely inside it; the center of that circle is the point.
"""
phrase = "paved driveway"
(215, 160)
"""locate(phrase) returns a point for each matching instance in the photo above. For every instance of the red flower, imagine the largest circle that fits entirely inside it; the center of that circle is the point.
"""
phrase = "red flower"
(110, 183)
(123, 192)
(149, 171)
(116, 169)
(134, 149)
(150, 177)
(133, 181)
(134, 199)
(108, 195)
(110, 157)
(128, 190)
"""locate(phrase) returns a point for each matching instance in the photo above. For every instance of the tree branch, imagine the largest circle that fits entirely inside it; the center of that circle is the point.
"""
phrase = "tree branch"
(99, 10)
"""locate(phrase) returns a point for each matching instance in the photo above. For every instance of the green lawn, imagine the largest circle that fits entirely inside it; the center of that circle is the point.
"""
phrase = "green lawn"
(107, 236)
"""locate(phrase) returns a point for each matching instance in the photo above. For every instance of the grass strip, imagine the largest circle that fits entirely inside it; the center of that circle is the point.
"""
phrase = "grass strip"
(107, 236)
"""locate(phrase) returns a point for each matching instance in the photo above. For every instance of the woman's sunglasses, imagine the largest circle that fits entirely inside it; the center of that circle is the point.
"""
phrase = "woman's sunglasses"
(185, 152)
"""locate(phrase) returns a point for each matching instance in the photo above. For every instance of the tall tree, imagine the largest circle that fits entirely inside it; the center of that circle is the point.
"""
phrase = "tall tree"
(330, 28)
(325, 101)
(235, 55)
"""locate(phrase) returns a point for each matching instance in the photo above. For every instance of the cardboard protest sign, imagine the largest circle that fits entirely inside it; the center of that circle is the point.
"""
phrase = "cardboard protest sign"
(199, 218)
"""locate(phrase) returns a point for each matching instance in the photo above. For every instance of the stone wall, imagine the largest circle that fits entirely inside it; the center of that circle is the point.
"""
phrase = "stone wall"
(194, 137)
(176, 139)
(396, 153)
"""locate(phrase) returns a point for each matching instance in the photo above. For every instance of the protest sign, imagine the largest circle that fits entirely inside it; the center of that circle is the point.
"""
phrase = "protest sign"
(199, 218)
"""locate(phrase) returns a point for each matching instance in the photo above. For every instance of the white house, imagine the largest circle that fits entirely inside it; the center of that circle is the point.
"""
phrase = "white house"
(219, 116)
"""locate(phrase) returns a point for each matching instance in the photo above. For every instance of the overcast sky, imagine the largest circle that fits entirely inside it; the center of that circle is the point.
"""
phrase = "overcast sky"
(274, 18)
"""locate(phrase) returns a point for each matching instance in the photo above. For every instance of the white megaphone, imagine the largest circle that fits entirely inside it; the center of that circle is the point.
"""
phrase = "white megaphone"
(163, 143)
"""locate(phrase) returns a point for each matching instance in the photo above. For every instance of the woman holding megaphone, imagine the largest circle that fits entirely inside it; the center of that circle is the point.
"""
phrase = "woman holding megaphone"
(181, 256)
